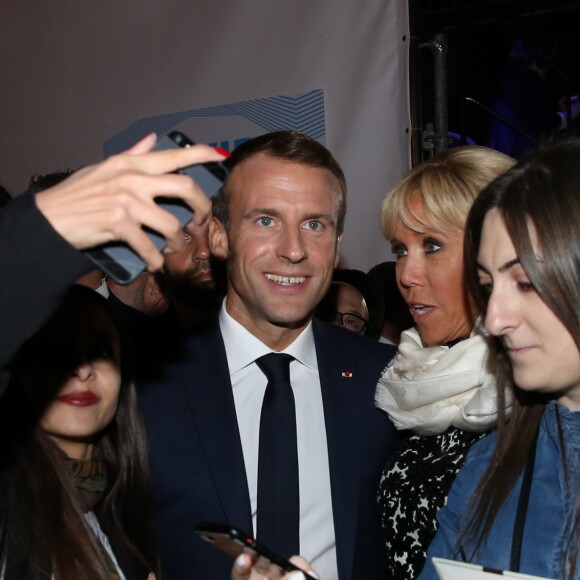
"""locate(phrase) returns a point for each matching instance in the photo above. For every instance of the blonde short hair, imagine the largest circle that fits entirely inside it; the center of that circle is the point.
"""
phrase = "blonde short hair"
(448, 183)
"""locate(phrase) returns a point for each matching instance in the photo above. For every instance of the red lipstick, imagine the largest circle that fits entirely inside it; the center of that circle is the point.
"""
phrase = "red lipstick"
(79, 399)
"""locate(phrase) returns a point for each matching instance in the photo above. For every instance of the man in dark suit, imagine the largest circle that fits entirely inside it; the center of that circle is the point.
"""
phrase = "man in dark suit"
(278, 222)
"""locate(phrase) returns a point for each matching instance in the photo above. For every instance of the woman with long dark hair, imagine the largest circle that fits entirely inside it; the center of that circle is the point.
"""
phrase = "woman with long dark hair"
(75, 499)
(515, 503)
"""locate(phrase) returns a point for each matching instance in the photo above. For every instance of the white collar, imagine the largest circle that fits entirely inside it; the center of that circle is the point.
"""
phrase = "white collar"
(243, 348)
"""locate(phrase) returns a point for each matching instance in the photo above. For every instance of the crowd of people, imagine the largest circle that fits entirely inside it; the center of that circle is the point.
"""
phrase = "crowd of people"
(368, 421)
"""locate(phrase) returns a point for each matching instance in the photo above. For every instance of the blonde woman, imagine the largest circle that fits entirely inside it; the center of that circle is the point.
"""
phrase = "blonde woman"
(439, 388)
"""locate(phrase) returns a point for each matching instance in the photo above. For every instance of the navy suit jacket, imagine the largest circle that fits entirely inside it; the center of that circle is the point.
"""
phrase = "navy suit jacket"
(196, 456)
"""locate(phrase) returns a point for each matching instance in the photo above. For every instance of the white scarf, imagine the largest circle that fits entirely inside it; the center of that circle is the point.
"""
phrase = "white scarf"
(429, 389)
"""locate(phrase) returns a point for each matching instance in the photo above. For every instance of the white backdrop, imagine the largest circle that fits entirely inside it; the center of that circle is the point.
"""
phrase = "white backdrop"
(76, 74)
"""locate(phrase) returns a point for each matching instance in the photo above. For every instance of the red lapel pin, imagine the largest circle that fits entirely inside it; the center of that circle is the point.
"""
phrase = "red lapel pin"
(346, 375)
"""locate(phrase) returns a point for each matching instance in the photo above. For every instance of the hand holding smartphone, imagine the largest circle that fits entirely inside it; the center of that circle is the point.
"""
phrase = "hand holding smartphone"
(234, 541)
(117, 259)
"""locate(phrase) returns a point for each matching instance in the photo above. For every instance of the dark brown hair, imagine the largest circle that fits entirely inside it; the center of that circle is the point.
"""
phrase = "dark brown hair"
(43, 530)
(541, 194)
(291, 146)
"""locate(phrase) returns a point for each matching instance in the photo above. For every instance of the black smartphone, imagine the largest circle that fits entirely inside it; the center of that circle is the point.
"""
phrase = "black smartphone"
(234, 541)
(117, 259)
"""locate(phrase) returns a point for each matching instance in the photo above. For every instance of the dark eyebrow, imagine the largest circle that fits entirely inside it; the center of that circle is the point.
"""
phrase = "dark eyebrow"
(509, 265)
(502, 268)
(320, 216)
(261, 211)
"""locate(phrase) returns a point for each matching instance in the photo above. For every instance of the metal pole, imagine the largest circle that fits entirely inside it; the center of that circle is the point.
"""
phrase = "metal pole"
(439, 49)
(438, 46)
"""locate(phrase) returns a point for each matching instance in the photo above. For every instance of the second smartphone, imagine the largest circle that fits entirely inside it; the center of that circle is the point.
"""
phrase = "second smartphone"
(234, 541)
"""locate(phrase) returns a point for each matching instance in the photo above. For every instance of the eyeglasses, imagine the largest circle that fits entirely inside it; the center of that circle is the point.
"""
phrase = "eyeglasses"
(352, 322)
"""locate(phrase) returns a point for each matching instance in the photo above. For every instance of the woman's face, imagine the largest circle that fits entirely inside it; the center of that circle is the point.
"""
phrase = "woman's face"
(430, 277)
(85, 374)
(543, 354)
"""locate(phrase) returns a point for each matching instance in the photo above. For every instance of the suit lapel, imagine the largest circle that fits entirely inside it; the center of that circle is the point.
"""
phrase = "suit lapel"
(343, 443)
(208, 386)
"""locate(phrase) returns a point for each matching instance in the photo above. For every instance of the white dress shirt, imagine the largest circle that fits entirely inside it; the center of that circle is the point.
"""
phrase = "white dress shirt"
(317, 541)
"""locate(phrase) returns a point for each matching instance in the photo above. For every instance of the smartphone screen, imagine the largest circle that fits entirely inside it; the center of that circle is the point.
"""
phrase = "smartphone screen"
(117, 259)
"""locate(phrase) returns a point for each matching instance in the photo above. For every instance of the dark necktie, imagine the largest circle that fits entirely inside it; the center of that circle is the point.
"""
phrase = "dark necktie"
(278, 518)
